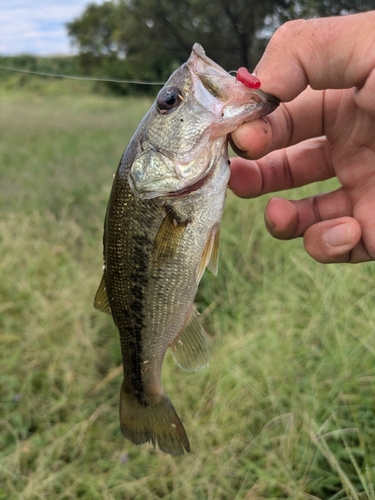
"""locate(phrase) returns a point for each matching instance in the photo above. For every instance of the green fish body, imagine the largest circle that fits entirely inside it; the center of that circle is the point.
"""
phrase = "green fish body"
(162, 231)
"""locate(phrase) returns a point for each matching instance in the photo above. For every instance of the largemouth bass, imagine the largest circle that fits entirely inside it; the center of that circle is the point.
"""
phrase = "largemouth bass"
(162, 230)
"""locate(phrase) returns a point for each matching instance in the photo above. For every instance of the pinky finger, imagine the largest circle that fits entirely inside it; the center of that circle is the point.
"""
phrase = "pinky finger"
(335, 241)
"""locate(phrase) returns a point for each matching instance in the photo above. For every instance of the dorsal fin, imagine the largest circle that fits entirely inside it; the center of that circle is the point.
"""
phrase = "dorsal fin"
(189, 348)
(101, 301)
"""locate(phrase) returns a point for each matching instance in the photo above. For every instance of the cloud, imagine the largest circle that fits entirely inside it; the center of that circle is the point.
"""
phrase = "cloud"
(37, 26)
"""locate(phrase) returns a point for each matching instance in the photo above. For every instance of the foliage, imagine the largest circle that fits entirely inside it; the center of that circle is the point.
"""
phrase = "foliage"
(141, 39)
(58, 64)
(286, 408)
(147, 40)
(61, 65)
(334, 7)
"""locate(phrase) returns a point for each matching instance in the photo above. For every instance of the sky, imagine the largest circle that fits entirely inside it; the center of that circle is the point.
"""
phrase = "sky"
(37, 26)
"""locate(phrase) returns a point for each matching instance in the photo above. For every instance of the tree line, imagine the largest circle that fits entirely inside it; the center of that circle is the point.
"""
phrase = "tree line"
(148, 39)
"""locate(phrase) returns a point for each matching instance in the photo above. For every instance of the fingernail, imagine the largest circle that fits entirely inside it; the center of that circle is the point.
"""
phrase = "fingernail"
(337, 235)
(268, 222)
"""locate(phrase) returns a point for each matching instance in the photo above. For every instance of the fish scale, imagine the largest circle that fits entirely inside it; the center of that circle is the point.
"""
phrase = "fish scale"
(162, 230)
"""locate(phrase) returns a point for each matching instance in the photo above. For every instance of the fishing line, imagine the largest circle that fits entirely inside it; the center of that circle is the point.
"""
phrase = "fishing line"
(83, 78)
(88, 78)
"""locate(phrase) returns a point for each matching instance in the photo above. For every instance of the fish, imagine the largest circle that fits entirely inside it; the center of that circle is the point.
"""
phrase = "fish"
(161, 231)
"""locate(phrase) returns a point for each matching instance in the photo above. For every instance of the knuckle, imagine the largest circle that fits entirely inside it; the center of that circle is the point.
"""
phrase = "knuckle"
(287, 32)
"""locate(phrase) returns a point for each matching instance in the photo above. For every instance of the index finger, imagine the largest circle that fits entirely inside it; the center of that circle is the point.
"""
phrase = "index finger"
(289, 124)
(301, 164)
(333, 52)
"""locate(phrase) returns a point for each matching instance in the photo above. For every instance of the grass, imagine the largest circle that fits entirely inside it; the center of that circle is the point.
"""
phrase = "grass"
(286, 408)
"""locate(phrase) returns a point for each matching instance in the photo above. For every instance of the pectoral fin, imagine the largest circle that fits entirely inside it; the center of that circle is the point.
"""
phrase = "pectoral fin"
(213, 264)
(189, 348)
(101, 301)
(210, 255)
(168, 238)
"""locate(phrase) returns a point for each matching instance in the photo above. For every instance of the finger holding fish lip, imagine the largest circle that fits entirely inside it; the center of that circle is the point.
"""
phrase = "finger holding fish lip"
(284, 127)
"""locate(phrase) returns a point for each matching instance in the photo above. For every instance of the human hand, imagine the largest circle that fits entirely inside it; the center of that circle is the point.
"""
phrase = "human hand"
(323, 70)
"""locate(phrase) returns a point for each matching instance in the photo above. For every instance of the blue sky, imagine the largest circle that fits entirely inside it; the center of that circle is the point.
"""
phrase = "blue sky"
(37, 26)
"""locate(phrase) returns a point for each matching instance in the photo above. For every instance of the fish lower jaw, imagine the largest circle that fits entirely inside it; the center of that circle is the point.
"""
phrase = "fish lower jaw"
(195, 186)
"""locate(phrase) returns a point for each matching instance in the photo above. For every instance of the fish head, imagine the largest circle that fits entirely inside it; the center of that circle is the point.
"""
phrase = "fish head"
(186, 129)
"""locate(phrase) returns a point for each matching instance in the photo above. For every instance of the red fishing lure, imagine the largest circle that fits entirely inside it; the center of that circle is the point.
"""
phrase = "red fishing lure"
(247, 78)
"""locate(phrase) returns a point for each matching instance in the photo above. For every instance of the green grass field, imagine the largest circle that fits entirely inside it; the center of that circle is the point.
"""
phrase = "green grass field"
(286, 408)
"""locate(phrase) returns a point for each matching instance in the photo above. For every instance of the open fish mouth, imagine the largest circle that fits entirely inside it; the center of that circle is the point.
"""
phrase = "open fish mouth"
(223, 95)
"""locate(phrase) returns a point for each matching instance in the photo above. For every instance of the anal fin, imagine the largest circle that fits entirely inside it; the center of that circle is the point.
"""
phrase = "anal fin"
(189, 349)
(101, 301)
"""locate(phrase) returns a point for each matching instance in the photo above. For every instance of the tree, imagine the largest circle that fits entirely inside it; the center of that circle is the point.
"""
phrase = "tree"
(229, 30)
(144, 39)
(323, 8)
(148, 39)
(96, 33)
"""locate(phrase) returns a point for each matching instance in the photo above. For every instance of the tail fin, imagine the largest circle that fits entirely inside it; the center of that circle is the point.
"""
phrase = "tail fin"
(154, 421)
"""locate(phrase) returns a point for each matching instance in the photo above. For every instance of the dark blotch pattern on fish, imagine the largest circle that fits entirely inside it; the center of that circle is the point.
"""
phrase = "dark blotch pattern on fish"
(134, 317)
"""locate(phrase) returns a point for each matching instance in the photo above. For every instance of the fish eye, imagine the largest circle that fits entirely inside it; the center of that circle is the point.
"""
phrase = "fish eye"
(169, 98)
